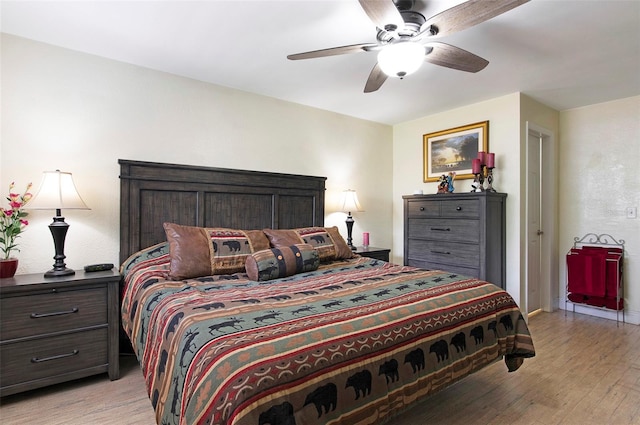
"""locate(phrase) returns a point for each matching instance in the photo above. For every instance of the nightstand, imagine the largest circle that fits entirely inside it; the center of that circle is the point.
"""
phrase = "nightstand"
(373, 252)
(57, 329)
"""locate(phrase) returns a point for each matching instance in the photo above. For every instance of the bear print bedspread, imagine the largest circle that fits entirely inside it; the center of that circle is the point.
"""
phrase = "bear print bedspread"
(351, 343)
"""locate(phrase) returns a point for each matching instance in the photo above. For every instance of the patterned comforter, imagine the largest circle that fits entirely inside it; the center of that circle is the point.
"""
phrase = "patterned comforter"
(354, 342)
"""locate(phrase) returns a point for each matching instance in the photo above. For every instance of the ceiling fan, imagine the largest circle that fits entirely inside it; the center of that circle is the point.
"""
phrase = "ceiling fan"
(404, 37)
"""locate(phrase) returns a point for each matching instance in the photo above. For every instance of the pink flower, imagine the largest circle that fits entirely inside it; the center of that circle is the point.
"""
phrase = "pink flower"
(12, 220)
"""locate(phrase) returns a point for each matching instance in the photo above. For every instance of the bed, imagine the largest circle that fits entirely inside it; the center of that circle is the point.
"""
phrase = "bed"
(263, 316)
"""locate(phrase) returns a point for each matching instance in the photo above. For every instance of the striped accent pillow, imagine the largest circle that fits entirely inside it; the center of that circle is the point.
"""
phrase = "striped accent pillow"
(281, 262)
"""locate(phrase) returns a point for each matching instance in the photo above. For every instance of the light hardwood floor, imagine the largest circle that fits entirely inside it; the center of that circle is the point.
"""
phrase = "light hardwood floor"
(586, 371)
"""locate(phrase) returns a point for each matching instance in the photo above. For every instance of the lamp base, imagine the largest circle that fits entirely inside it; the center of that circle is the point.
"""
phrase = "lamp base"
(350, 222)
(59, 272)
(59, 231)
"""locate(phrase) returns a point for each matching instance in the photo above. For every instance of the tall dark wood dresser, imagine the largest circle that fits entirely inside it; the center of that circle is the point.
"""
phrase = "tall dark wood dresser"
(464, 233)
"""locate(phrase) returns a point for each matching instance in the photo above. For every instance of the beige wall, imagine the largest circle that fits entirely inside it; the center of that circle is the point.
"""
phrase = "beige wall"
(503, 114)
(81, 113)
(599, 179)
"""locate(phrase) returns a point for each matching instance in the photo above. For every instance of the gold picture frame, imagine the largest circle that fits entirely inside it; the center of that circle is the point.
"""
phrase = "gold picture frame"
(452, 150)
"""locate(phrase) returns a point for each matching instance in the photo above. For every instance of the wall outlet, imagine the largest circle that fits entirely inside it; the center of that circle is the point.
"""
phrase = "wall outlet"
(632, 212)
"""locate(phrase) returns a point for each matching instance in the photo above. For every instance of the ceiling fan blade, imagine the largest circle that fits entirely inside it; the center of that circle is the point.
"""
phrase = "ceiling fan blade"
(468, 14)
(383, 13)
(342, 50)
(454, 57)
(376, 79)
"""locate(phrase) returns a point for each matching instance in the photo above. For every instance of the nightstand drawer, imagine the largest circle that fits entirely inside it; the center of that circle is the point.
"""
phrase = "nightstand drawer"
(45, 312)
(463, 230)
(459, 254)
(375, 253)
(41, 358)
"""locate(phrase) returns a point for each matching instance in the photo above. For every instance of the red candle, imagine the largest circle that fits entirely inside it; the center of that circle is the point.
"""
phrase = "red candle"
(481, 157)
(491, 160)
(475, 166)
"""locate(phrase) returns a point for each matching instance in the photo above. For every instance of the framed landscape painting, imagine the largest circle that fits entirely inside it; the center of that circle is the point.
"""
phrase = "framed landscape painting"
(452, 150)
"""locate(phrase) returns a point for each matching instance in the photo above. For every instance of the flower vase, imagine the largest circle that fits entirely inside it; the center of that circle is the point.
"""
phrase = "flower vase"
(8, 267)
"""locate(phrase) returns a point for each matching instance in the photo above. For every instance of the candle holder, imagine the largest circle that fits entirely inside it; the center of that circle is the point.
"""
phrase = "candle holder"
(478, 182)
(482, 167)
(490, 179)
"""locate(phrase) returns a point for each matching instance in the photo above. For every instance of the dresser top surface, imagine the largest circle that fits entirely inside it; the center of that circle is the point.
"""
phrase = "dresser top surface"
(456, 195)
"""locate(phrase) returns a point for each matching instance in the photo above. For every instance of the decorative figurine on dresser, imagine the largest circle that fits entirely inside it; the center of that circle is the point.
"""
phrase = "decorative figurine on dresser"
(446, 183)
(55, 329)
(463, 233)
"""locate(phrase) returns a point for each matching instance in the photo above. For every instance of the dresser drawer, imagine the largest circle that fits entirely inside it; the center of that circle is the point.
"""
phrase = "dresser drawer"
(464, 271)
(457, 254)
(45, 312)
(421, 209)
(463, 230)
(463, 208)
(25, 361)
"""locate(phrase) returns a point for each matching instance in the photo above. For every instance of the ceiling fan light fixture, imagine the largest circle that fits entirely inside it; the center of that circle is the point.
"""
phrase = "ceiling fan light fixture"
(401, 59)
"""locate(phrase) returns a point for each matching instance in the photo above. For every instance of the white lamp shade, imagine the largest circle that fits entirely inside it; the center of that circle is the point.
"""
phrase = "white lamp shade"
(350, 201)
(400, 59)
(57, 191)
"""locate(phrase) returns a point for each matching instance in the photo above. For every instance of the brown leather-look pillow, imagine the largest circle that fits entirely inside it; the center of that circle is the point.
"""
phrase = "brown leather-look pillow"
(286, 261)
(190, 251)
(326, 240)
(282, 237)
(201, 251)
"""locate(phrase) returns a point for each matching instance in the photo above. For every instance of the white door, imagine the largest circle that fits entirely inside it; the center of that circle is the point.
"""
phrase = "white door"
(534, 224)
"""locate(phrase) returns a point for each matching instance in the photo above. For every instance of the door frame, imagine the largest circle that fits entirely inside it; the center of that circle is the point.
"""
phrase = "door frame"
(533, 208)
(549, 284)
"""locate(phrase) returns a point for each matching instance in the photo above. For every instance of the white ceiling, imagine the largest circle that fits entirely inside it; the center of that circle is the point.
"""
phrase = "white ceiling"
(563, 53)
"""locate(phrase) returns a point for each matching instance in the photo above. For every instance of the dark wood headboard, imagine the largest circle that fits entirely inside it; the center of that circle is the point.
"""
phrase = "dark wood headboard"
(154, 193)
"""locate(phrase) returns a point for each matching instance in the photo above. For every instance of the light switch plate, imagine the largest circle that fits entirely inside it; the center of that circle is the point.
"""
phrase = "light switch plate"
(632, 212)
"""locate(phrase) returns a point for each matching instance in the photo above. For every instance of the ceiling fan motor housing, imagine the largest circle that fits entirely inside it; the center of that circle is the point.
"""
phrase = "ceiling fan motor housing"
(404, 4)
(413, 22)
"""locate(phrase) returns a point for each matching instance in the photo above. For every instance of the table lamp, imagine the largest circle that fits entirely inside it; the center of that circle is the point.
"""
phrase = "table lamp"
(350, 203)
(57, 191)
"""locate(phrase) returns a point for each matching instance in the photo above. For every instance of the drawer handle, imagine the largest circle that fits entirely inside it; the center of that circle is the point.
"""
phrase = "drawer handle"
(441, 252)
(458, 208)
(57, 313)
(441, 229)
(421, 208)
(59, 356)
